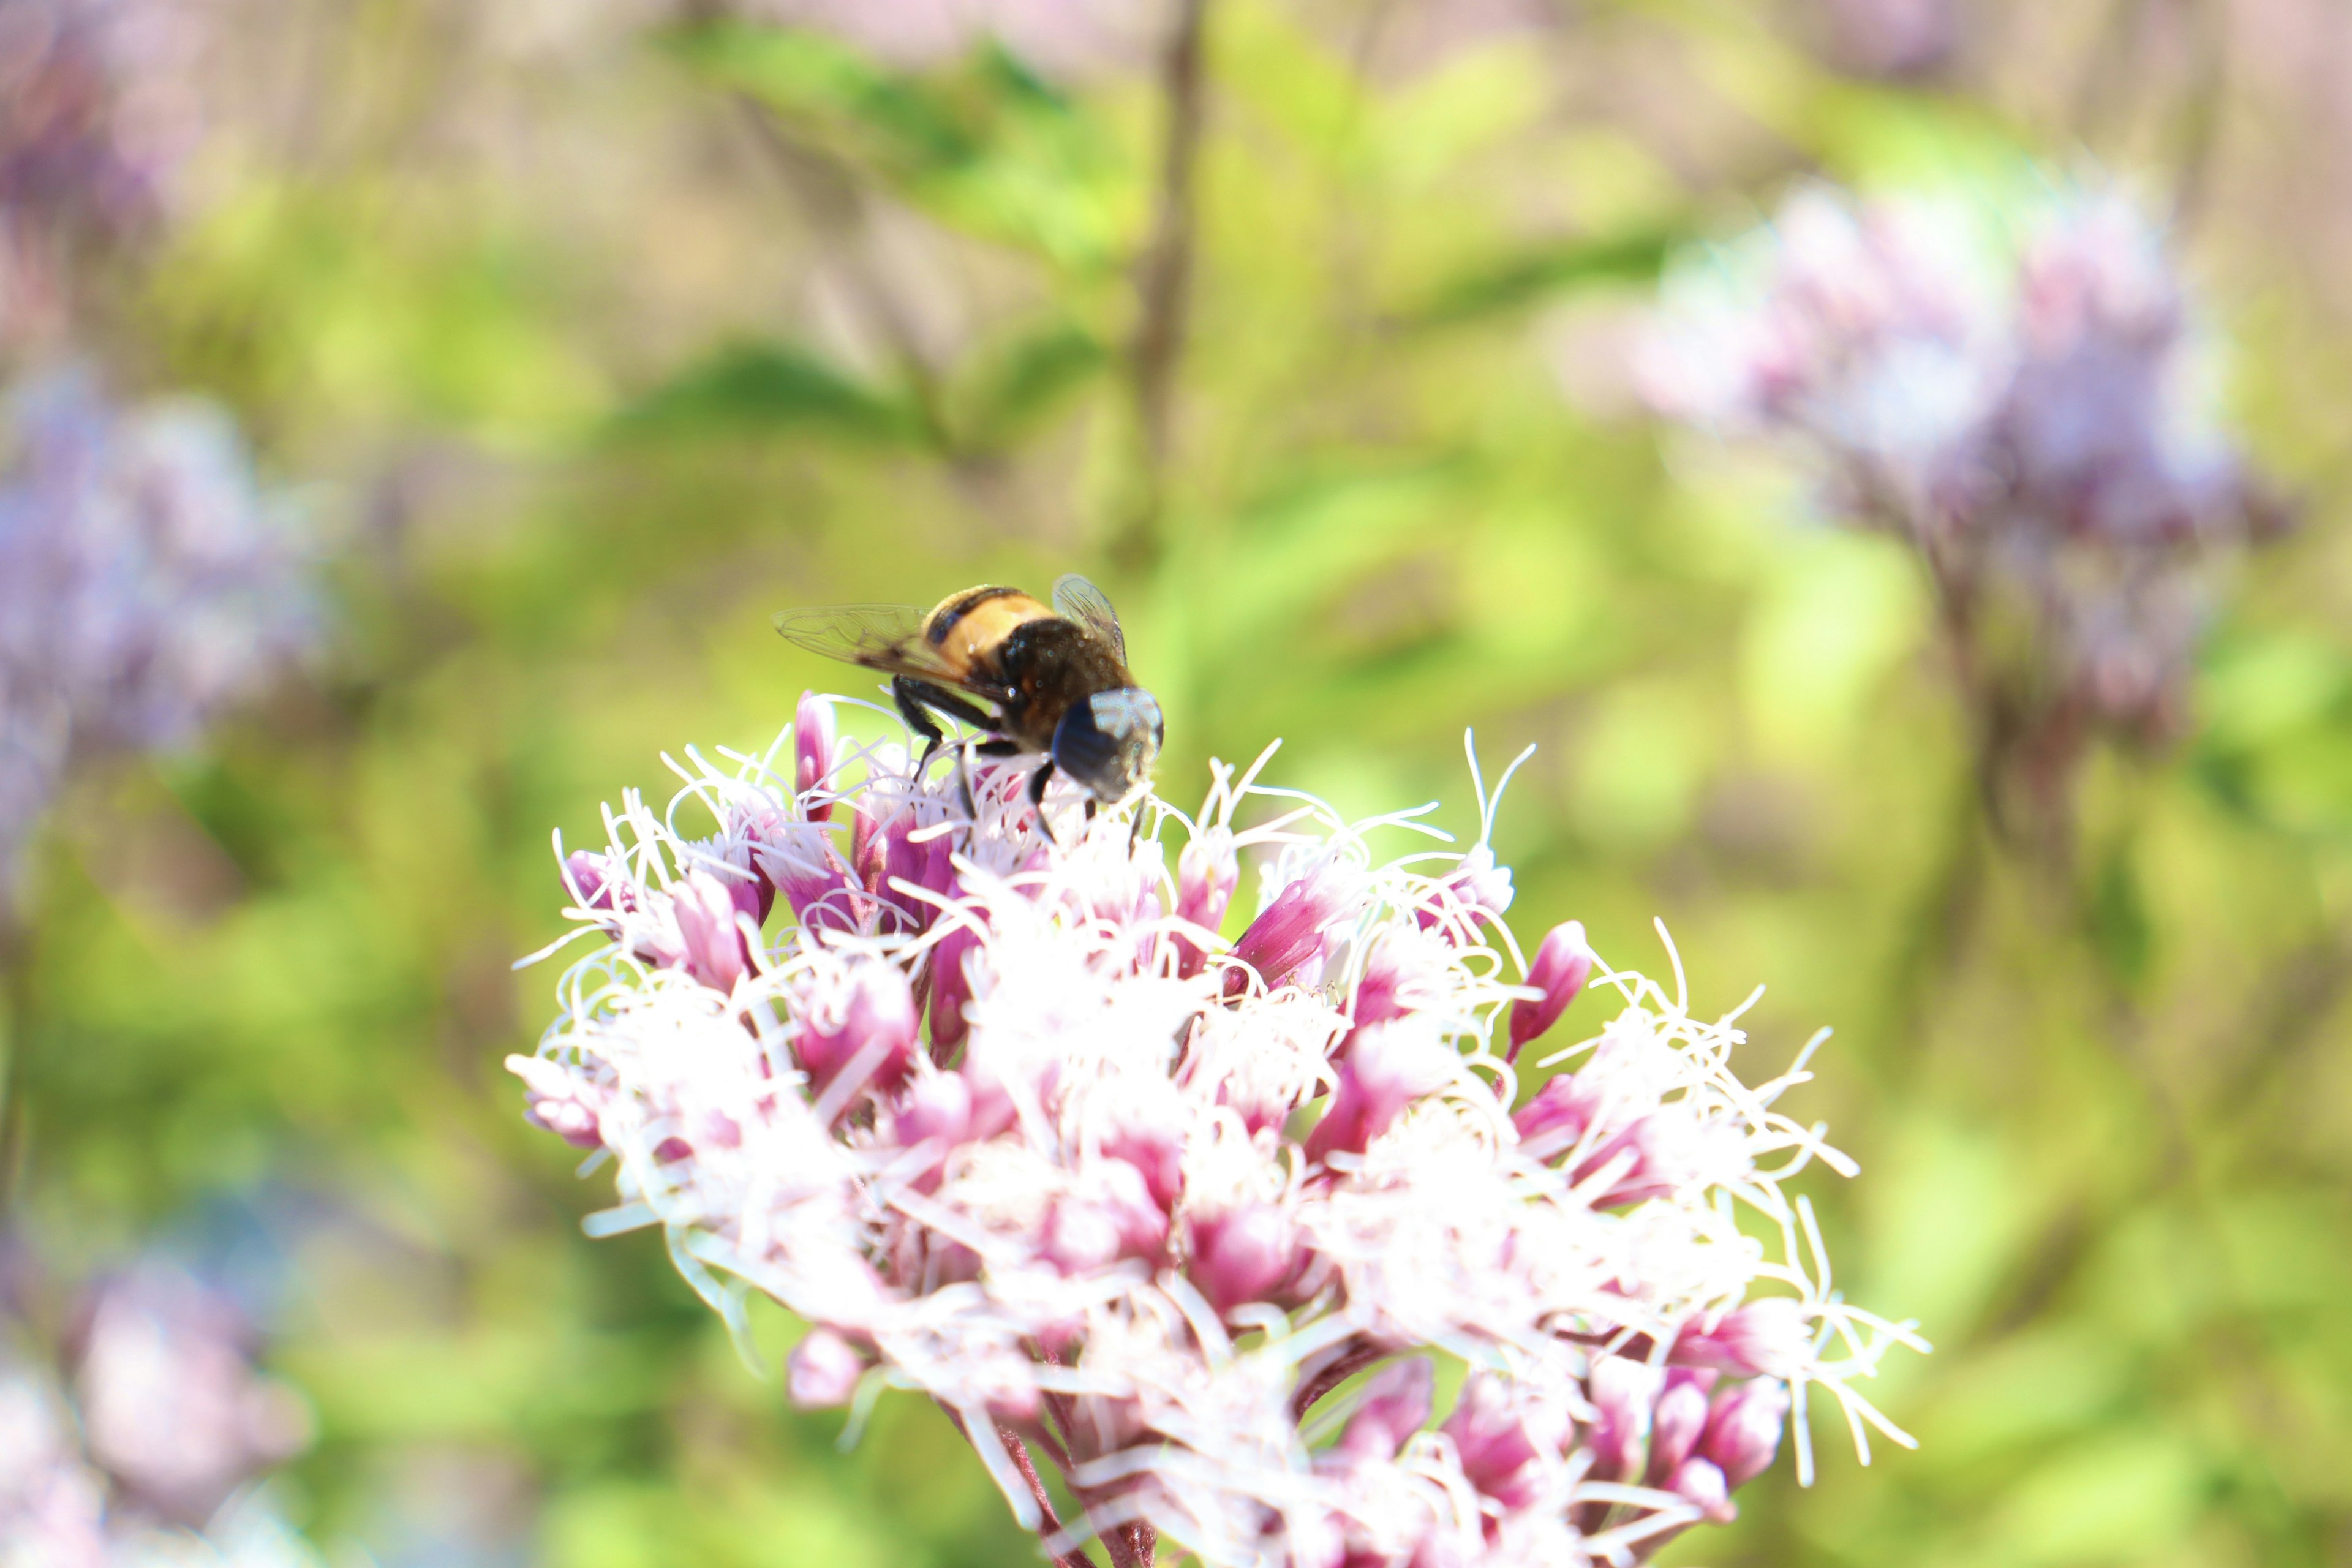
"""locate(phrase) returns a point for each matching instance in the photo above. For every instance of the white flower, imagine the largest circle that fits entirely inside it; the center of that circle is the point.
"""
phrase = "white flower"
(1138, 1201)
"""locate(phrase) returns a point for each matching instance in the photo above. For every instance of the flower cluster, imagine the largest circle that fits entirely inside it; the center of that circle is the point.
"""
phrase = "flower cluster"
(1889, 37)
(1003, 1115)
(2030, 416)
(96, 118)
(146, 580)
(173, 1422)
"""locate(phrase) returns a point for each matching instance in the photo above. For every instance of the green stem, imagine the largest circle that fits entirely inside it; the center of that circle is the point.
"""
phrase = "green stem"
(1164, 285)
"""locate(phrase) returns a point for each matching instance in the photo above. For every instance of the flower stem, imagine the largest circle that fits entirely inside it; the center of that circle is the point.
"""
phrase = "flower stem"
(1019, 1450)
(1164, 283)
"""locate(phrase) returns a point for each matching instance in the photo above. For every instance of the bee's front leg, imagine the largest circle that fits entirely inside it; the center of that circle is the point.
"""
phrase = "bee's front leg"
(909, 697)
(920, 702)
(1037, 783)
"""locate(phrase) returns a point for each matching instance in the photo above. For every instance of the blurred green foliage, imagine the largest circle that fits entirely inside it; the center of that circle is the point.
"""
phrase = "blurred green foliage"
(581, 444)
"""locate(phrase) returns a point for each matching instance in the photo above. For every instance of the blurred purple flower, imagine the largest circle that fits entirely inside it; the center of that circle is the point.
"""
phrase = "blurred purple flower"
(98, 115)
(172, 1404)
(1890, 38)
(57, 1508)
(146, 582)
(2030, 416)
(51, 1504)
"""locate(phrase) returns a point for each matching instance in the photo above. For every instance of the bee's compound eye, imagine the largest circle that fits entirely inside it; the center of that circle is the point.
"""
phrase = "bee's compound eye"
(1127, 714)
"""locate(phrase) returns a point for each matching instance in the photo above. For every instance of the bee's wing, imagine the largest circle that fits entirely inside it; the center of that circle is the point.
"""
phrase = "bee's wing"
(1076, 599)
(880, 636)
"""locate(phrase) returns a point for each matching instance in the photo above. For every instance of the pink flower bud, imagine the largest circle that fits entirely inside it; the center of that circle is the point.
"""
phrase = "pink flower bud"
(555, 1100)
(1206, 874)
(953, 1263)
(875, 1038)
(717, 952)
(939, 867)
(1377, 989)
(935, 1117)
(1762, 1339)
(1290, 931)
(1552, 1123)
(823, 1371)
(1258, 1111)
(1484, 887)
(1243, 1255)
(903, 859)
(1701, 1484)
(752, 831)
(813, 751)
(1561, 966)
(1389, 1066)
(1116, 1218)
(1677, 1421)
(866, 848)
(820, 898)
(1396, 1406)
(1496, 1449)
(1622, 1391)
(993, 1110)
(587, 876)
(950, 989)
(1480, 889)
(1645, 1157)
(1078, 1236)
(1743, 1434)
(754, 895)
(1157, 1154)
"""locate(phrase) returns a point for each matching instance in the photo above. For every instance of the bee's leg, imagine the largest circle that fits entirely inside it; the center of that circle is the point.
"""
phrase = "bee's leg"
(1090, 808)
(920, 701)
(1037, 783)
(964, 786)
(912, 698)
(997, 746)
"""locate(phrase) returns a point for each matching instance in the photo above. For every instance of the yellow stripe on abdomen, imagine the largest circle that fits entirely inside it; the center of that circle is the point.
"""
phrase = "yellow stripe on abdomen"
(973, 637)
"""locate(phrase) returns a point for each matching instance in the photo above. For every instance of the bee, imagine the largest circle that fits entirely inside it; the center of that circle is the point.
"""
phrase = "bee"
(1057, 679)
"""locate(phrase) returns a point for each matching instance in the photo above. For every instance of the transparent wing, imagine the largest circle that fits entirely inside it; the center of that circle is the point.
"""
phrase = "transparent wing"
(1076, 599)
(880, 636)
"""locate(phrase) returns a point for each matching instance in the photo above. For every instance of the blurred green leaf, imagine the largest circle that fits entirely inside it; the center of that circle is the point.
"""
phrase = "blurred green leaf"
(898, 120)
(2120, 926)
(2277, 742)
(988, 147)
(771, 387)
(1513, 282)
(1007, 388)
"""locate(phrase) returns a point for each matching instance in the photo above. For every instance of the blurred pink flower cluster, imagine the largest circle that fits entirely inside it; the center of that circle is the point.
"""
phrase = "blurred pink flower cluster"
(97, 117)
(2033, 415)
(148, 1466)
(1003, 1115)
(146, 580)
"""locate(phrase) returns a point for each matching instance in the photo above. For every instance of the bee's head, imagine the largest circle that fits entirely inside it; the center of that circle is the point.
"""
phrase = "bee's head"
(1108, 743)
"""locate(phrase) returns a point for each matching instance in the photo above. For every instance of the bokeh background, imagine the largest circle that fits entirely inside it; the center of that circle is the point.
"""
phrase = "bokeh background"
(567, 340)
